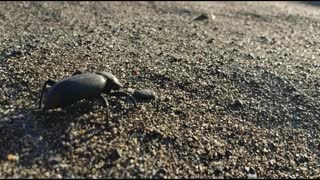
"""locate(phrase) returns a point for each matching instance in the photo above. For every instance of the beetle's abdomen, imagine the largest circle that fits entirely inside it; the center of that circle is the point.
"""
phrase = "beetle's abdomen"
(73, 89)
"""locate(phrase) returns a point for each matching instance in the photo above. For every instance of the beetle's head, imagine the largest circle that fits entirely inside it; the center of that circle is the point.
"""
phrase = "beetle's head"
(112, 81)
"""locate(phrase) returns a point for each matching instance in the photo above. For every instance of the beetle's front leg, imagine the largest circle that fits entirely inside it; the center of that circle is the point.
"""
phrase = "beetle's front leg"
(119, 94)
(49, 82)
(106, 104)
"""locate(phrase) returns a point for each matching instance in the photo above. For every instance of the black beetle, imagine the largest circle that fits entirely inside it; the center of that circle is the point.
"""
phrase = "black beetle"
(81, 86)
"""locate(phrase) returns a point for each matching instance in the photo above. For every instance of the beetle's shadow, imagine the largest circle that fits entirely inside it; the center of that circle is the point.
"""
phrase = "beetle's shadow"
(36, 136)
(30, 137)
(117, 109)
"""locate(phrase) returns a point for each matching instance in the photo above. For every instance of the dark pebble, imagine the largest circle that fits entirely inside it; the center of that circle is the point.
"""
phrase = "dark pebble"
(201, 17)
(144, 95)
(161, 172)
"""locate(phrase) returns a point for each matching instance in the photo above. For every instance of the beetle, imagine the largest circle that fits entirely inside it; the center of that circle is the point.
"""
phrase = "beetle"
(81, 86)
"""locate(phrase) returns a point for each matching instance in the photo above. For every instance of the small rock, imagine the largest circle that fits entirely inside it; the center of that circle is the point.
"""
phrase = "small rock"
(228, 153)
(252, 176)
(218, 155)
(213, 17)
(141, 169)
(210, 40)
(272, 146)
(272, 162)
(47, 174)
(292, 163)
(161, 172)
(14, 53)
(55, 160)
(237, 104)
(201, 17)
(144, 95)
(303, 158)
(11, 157)
(265, 150)
(250, 170)
(115, 154)
(135, 72)
(130, 90)
(58, 176)
(155, 134)
(217, 143)
(218, 171)
(247, 169)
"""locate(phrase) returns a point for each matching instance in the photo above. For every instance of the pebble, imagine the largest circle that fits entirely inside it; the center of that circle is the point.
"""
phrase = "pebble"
(115, 154)
(201, 17)
(252, 176)
(161, 172)
(55, 159)
(237, 104)
(144, 95)
(217, 143)
(58, 176)
(12, 157)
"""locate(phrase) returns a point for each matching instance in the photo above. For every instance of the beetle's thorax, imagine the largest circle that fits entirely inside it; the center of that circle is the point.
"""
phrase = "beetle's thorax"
(112, 82)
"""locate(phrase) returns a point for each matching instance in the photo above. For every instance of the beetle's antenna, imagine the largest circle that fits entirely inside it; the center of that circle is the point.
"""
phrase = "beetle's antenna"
(119, 94)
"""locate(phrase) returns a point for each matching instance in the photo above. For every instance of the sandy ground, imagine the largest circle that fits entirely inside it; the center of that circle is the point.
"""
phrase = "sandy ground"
(237, 87)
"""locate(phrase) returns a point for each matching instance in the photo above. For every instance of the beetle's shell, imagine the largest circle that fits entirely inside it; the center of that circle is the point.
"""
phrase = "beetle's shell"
(73, 89)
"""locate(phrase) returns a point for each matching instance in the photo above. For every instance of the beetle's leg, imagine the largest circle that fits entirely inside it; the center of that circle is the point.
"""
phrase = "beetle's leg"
(50, 82)
(119, 94)
(76, 73)
(106, 104)
(43, 93)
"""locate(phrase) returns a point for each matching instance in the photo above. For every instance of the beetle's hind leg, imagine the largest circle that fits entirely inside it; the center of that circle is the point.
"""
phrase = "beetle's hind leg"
(119, 94)
(49, 82)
